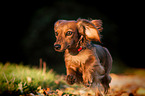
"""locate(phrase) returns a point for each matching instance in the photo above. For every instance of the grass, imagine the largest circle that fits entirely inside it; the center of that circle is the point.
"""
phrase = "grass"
(19, 79)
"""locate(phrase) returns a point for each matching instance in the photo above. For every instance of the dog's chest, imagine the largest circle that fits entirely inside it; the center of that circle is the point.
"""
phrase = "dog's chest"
(79, 58)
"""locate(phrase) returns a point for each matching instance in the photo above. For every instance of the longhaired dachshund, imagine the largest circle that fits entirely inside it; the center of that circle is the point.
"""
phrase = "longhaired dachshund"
(85, 62)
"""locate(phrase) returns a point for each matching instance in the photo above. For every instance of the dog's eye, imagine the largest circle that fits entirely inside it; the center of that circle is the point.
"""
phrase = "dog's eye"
(68, 33)
(56, 33)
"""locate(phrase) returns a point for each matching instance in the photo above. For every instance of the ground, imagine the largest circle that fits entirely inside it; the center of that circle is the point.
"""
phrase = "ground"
(17, 79)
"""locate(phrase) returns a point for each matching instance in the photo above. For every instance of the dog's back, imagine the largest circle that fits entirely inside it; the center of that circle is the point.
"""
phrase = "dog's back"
(104, 57)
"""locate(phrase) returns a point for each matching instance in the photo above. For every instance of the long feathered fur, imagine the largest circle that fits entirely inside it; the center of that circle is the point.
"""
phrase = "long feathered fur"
(90, 65)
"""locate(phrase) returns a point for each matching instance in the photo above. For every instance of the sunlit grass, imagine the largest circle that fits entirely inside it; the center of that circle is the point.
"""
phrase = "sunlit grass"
(20, 79)
(17, 79)
(23, 79)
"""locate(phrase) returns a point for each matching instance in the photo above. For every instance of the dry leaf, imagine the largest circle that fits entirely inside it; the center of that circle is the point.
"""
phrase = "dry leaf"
(41, 91)
(124, 94)
(39, 88)
(69, 88)
(48, 89)
(140, 91)
(59, 92)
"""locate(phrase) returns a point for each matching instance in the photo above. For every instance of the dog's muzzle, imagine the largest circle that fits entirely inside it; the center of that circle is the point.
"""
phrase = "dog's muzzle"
(57, 46)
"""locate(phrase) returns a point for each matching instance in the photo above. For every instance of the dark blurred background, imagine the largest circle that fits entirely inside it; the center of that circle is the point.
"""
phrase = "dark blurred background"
(27, 30)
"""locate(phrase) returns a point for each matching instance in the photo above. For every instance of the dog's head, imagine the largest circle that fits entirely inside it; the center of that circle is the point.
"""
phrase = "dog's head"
(68, 32)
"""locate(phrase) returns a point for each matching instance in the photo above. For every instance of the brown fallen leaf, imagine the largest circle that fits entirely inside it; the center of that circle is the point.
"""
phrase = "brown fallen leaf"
(125, 94)
(69, 88)
(41, 91)
(59, 92)
(47, 91)
(141, 91)
(39, 88)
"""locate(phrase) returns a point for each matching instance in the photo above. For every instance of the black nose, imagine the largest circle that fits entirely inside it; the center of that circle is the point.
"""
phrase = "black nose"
(57, 46)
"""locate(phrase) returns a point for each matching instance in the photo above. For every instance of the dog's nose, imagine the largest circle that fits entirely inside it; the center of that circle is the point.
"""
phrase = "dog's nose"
(57, 46)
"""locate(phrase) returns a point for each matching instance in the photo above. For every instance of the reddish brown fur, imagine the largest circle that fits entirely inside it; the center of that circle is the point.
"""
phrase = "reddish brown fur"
(90, 66)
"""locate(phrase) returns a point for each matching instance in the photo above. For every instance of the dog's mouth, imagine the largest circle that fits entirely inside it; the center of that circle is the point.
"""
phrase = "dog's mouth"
(67, 47)
(61, 49)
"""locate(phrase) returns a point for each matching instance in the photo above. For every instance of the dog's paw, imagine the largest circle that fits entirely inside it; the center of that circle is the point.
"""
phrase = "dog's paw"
(87, 80)
(71, 79)
(88, 84)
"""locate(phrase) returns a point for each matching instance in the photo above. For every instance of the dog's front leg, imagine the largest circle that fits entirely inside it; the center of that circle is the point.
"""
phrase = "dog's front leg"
(87, 78)
(87, 71)
(71, 74)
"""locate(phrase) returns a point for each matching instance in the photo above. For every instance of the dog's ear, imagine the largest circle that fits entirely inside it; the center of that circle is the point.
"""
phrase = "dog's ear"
(57, 23)
(88, 29)
(98, 24)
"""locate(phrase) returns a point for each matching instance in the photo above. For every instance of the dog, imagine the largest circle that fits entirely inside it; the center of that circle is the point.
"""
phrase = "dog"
(86, 63)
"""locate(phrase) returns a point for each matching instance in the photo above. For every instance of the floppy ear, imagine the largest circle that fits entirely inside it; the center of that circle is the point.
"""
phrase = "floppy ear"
(88, 29)
(98, 24)
(57, 23)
